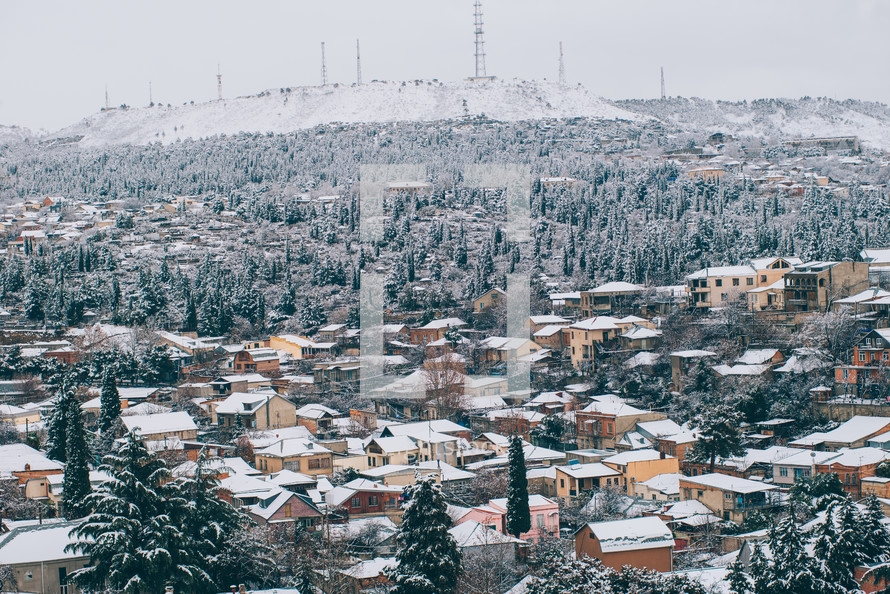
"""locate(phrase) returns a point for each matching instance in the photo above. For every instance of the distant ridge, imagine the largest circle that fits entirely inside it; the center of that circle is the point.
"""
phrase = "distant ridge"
(287, 110)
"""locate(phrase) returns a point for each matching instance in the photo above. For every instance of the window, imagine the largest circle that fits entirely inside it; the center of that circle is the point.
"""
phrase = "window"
(718, 282)
(735, 282)
(863, 357)
(562, 483)
(356, 501)
(727, 495)
(763, 278)
(372, 501)
(886, 355)
(701, 494)
(287, 510)
(293, 465)
(783, 471)
(749, 281)
(539, 520)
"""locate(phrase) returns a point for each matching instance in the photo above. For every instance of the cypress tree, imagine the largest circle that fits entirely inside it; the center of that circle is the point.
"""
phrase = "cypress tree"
(519, 517)
(109, 403)
(77, 470)
(57, 429)
(428, 560)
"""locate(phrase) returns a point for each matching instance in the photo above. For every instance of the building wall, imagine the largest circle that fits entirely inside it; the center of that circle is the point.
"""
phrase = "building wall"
(660, 559)
(315, 464)
(646, 469)
(45, 576)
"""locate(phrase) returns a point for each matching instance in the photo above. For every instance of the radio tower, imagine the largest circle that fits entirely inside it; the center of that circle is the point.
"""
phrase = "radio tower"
(562, 67)
(662, 83)
(358, 65)
(480, 42)
(218, 83)
(324, 68)
(107, 104)
(150, 99)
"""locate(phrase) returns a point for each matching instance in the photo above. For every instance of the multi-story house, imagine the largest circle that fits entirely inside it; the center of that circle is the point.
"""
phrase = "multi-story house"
(869, 372)
(814, 286)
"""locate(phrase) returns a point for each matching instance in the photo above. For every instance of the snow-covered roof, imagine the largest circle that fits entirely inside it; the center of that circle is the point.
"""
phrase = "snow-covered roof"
(722, 271)
(398, 443)
(289, 448)
(473, 534)
(693, 354)
(640, 332)
(38, 544)
(725, 482)
(592, 470)
(625, 458)
(632, 535)
(160, 423)
(597, 323)
(617, 287)
(856, 429)
(757, 356)
(548, 320)
(740, 370)
(15, 456)
(316, 411)
(370, 568)
(443, 323)
(244, 402)
(667, 483)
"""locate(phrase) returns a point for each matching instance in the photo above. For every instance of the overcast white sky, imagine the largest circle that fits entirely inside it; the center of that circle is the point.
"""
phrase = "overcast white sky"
(57, 56)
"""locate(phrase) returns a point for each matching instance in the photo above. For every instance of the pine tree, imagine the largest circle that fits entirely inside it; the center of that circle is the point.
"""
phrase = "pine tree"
(719, 437)
(838, 546)
(428, 559)
(518, 514)
(109, 403)
(76, 484)
(133, 538)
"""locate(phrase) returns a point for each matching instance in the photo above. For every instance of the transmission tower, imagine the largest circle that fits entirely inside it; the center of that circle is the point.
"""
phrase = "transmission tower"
(218, 83)
(324, 68)
(662, 83)
(562, 67)
(358, 64)
(480, 42)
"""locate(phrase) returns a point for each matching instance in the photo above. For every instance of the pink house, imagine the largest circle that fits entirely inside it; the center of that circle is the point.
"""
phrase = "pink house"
(544, 513)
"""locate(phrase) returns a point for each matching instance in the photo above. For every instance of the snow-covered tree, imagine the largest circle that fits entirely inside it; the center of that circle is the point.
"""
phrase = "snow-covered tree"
(109, 403)
(518, 518)
(718, 435)
(76, 485)
(428, 559)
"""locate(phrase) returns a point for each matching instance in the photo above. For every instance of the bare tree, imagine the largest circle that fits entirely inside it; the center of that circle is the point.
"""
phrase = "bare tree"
(445, 385)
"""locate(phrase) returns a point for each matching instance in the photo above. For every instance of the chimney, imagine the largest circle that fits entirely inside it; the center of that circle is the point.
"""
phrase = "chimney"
(242, 589)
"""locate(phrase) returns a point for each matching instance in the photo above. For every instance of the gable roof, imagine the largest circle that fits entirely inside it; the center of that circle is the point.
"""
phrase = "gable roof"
(160, 423)
(632, 535)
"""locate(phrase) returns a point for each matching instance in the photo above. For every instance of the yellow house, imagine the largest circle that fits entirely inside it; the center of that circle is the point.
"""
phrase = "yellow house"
(637, 466)
(584, 336)
(488, 299)
(298, 455)
(574, 479)
(257, 410)
(716, 286)
(400, 449)
(298, 347)
(18, 416)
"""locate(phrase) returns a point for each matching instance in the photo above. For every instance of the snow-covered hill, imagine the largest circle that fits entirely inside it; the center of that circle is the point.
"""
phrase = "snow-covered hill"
(765, 118)
(287, 110)
(13, 134)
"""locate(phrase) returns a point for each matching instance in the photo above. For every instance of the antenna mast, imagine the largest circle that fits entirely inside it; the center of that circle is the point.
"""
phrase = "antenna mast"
(562, 67)
(480, 42)
(358, 64)
(324, 68)
(662, 83)
(107, 104)
(150, 99)
(218, 83)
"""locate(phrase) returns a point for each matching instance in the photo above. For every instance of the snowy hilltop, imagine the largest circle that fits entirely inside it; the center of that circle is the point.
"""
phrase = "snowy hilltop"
(289, 109)
(773, 118)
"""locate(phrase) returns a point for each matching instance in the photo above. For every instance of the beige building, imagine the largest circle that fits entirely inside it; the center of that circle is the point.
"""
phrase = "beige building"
(641, 465)
(257, 410)
(729, 497)
(814, 286)
(716, 286)
(297, 455)
(584, 336)
(37, 558)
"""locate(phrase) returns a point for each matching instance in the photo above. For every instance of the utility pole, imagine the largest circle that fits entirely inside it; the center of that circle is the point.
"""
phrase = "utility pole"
(107, 104)
(358, 64)
(218, 83)
(562, 67)
(150, 99)
(662, 83)
(324, 68)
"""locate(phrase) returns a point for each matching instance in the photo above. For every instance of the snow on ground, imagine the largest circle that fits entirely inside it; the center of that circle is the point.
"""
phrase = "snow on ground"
(304, 107)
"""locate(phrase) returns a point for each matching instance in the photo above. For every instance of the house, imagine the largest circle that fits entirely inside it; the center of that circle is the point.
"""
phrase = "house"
(18, 416)
(363, 498)
(286, 507)
(367, 576)
(298, 455)
(260, 360)
(814, 286)
(639, 338)
(850, 434)
(37, 556)
(392, 450)
(332, 332)
(255, 410)
(228, 384)
(869, 372)
(661, 487)
(728, 497)
(473, 538)
(298, 347)
(603, 422)
(641, 465)
(489, 299)
(318, 418)
(574, 479)
(644, 543)
(25, 463)
(570, 303)
(161, 427)
(852, 465)
(613, 297)
(544, 517)
(434, 330)
(717, 286)
(499, 348)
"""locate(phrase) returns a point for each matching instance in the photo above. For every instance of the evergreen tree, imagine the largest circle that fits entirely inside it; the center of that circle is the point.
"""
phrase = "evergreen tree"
(76, 486)
(719, 436)
(838, 546)
(109, 403)
(133, 538)
(518, 514)
(57, 429)
(428, 559)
